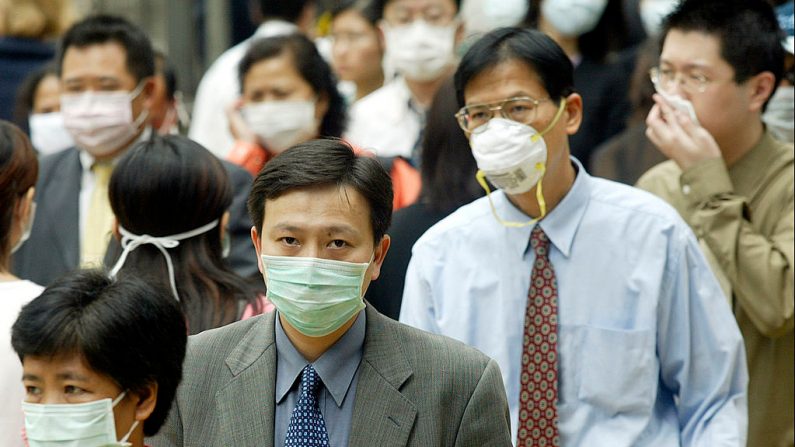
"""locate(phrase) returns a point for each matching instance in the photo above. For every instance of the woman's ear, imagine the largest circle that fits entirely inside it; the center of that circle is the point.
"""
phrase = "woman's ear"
(147, 400)
(224, 223)
(115, 229)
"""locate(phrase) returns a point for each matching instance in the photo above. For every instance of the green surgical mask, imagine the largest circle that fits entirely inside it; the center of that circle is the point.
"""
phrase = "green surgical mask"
(316, 296)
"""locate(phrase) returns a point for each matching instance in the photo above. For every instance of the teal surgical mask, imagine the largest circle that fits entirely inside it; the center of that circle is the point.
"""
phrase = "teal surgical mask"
(316, 296)
(73, 425)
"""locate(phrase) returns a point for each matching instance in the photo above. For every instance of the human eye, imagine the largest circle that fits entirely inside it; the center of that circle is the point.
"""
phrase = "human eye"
(73, 390)
(478, 113)
(32, 390)
(289, 241)
(337, 243)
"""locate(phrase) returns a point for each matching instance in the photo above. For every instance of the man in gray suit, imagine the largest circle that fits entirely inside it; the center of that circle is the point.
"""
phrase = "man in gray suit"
(325, 369)
(106, 67)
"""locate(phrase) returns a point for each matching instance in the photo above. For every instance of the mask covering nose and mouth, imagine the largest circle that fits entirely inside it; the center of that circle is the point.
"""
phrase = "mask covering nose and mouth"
(512, 156)
(420, 51)
(91, 424)
(316, 296)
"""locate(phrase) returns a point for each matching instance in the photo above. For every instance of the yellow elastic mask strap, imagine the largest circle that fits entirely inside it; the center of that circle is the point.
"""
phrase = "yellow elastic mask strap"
(555, 120)
(542, 204)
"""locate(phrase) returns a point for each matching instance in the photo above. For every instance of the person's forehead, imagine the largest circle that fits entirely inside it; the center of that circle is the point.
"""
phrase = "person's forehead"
(691, 48)
(108, 59)
(320, 207)
(419, 5)
(505, 79)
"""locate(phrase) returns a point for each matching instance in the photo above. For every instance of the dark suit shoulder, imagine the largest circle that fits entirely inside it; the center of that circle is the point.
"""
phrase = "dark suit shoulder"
(68, 159)
(219, 342)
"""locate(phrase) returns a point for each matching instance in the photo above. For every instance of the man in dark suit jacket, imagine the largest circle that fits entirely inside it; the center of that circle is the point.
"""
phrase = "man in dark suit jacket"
(320, 215)
(106, 66)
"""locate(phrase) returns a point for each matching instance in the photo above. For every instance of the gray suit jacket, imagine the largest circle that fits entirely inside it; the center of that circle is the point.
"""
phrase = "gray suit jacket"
(414, 389)
(54, 245)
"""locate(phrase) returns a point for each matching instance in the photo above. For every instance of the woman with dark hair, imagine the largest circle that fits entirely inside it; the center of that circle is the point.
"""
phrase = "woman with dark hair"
(19, 170)
(357, 46)
(448, 181)
(101, 358)
(39, 106)
(170, 197)
(289, 96)
(592, 33)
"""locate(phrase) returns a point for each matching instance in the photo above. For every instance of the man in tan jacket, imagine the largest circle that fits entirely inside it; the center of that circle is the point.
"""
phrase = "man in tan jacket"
(732, 182)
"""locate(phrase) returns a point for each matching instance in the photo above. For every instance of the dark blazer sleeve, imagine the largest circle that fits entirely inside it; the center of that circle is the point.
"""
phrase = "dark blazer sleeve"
(243, 257)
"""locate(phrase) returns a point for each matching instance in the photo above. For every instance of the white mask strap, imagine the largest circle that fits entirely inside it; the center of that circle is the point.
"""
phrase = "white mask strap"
(130, 242)
(124, 439)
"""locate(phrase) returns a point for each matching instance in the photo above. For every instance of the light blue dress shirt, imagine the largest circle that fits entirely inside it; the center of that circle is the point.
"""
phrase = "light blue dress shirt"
(650, 354)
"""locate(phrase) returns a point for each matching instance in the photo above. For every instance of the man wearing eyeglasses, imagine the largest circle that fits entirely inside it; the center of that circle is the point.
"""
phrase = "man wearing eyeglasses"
(732, 181)
(593, 297)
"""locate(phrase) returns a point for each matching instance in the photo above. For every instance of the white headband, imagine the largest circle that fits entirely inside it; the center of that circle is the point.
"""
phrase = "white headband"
(130, 242)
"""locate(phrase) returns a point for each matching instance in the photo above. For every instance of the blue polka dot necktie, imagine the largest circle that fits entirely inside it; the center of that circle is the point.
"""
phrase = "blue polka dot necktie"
(307, 427)
(538, 397)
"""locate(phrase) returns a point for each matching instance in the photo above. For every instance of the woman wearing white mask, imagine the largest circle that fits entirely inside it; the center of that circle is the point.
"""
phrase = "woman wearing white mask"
(592, 33)
(18, 173)
(39, 103)
(357, 47)
(289, 96)
(102, 359)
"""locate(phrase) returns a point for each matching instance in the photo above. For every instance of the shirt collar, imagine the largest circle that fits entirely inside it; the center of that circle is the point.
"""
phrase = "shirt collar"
(560, 224)
(87, 160)
(336, 367)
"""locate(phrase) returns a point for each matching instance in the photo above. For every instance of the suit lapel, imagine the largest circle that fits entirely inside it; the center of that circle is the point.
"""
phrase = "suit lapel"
(247, 403)
(382, 416)
(63, 193)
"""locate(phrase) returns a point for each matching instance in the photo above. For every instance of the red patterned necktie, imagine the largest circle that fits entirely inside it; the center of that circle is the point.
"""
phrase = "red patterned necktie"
(538, 411)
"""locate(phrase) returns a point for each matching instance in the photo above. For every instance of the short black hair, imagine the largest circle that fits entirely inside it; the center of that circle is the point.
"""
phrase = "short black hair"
(288, 10)
(126, 329)
(380, 5)
(365, 8)
(26, 94)
(532, 47)
(320, 163)
(748, 31)
(100, 29)
(312, 68)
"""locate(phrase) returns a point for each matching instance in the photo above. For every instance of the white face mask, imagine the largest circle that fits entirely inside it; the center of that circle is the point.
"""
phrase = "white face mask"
(420, 51)
(482, 16)
(573, 18)
(74, 425)
(282, 124)
(779, 114)
(48, 133)
(28, 227)
(101, 122)
(513, 157)
(652, 13)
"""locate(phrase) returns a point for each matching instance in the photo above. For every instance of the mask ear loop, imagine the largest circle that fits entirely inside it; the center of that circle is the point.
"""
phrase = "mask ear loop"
(542, 204)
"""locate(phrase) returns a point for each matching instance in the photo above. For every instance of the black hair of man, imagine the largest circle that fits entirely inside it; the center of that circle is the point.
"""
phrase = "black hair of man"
(535, 49)
(365, 8)
(101, 29)
(748, 31)
(379, 6)
(126, 329)
(310, 65)
(287, 10)
(319, 163)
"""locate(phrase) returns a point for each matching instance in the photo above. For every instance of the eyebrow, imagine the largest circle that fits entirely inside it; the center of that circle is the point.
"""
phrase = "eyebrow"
(332, 229)
(689, 65)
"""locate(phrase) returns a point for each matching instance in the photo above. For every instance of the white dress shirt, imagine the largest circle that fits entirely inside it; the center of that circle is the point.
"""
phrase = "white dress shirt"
(649, 351)
(385, 122)
(220, 87)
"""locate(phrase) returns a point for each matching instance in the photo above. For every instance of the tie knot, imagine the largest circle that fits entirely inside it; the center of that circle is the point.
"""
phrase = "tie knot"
(539, 240)
(102, 172)
(309, 380)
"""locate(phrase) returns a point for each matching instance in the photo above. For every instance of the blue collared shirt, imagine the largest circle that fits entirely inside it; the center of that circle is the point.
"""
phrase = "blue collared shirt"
(338, 368)
(649, 351)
